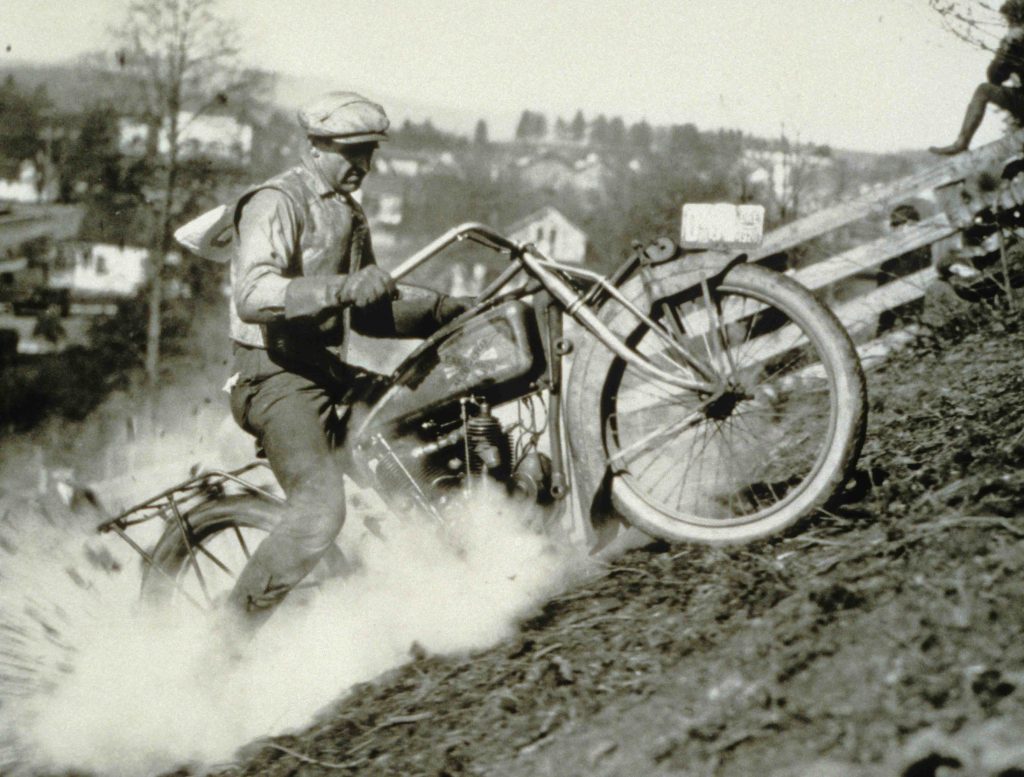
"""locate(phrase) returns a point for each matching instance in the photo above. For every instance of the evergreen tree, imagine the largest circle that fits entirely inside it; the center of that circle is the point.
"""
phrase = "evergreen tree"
(561, 129)
(524, 128)
(578, 127)
(540, 126)
(684, 139)
(616, 132)
(480, 135)
(641, 136)
(93, 158)
(21, 122)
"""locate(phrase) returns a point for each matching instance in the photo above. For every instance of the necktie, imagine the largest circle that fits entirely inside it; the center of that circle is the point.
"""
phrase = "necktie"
(360, 241)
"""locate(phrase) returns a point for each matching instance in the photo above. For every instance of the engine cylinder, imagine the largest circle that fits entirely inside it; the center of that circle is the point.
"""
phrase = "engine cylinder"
(490, 449)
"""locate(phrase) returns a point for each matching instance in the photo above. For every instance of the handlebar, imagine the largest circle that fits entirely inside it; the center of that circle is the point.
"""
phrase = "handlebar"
(478, 233)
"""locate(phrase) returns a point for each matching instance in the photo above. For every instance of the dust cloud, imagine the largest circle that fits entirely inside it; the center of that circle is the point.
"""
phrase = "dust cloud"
(91, 681)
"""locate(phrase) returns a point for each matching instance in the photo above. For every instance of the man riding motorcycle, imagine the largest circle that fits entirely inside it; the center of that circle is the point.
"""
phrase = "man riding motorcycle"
(303, 275)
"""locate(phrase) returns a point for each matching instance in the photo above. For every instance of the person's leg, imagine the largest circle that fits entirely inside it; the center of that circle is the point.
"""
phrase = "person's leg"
(294, 421)
(973, 117)
(1011, 100)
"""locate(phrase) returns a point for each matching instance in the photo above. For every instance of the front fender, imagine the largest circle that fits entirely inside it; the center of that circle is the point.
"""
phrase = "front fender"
(661, 275)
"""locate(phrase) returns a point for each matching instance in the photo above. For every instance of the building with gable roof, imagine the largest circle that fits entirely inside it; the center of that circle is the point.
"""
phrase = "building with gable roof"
(553, 234)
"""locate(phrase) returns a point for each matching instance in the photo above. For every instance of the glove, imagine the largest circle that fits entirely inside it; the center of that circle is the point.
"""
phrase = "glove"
(449, 308)
(366, 286)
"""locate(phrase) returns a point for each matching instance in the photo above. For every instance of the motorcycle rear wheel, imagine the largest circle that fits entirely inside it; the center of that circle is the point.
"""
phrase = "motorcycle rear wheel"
(222, 534)
(774, 445)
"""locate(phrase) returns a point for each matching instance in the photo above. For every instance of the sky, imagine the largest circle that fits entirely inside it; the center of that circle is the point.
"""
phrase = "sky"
(875, 75)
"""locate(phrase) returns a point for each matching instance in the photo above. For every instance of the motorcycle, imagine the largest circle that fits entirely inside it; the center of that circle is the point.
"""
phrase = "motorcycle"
(689, 393)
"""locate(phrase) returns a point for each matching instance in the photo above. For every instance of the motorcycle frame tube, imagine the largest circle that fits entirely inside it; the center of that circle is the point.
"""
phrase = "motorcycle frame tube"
(538, 266)
(541, 268)
(601, 283)
(471, 230)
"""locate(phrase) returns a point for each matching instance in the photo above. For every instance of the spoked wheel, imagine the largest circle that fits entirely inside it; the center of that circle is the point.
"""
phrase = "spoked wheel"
(222, 536)
(775, 438)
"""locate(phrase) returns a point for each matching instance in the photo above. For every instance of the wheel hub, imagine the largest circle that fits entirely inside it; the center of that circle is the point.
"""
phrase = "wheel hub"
(722, 405)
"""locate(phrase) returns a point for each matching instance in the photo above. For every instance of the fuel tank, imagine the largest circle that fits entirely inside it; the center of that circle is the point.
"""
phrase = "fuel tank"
(495, 355)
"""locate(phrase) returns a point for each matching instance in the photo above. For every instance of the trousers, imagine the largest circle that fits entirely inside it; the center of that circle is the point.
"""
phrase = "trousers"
(298, 419)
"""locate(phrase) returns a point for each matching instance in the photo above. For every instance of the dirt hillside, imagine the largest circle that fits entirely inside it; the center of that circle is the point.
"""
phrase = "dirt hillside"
(884, 639)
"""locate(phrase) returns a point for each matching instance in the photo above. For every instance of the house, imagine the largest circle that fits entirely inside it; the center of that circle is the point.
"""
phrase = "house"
(402, 163)
(101, 271)
(553, 235)
(591, 171)
(199, 136)
(383, 198)
(794, 179)
(36, 182)
(555, 171)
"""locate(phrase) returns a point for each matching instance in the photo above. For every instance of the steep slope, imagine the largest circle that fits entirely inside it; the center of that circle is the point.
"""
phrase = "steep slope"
(883, 639)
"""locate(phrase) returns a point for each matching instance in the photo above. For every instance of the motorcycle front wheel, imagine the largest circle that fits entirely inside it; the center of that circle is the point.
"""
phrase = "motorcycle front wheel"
(775, 441)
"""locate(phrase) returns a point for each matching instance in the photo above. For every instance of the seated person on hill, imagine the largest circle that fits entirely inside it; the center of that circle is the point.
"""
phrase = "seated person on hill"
(1008, 62)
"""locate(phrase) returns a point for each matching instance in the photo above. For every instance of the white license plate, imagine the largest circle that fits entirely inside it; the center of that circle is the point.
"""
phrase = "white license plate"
(709, 225)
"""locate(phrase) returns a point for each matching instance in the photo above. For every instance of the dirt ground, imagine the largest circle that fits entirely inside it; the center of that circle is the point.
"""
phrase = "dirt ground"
(883, 639)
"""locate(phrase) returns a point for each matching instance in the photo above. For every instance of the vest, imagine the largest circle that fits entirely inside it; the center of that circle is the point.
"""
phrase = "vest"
(333, 239)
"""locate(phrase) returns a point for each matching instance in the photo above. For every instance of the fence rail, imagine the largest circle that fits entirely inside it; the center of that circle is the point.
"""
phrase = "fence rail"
(880, 200)
(961, 187)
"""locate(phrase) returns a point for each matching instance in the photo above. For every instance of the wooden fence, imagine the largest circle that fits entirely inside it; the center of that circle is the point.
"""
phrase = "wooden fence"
(961, 187)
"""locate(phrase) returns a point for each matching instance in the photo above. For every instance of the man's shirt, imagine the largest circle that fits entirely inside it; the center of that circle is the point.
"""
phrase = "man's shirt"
(1009, 58)
(294, 226)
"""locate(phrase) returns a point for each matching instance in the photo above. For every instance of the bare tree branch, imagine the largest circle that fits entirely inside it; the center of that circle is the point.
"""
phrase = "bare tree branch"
(977, 22)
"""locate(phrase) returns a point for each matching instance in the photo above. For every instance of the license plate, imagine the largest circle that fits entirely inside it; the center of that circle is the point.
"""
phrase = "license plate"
(721, 224)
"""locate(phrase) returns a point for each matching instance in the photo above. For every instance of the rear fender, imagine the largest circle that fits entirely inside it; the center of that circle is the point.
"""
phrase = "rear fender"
(662, 273)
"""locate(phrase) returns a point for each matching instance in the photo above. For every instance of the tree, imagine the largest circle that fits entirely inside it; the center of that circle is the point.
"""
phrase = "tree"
(480, 136)
(177, 59)
(684, 139)
(641, 135)
(562, 129)
(93, 158)
(540, 126)
(616, 132)
(531, 126)
(970, 20)
(525, 126)
(21, 121)
(578, 127)
(599, 130)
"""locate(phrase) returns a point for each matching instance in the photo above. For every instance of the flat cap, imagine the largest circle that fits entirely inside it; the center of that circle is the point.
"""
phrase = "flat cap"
(344, 117)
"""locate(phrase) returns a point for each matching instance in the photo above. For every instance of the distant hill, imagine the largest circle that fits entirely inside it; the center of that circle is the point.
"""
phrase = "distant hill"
(72, 89)
(68, 85)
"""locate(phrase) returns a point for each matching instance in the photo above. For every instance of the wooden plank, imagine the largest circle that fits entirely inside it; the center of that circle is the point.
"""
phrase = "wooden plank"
(870, 255)
(891, 295)
(881, 199)
(854, 314)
